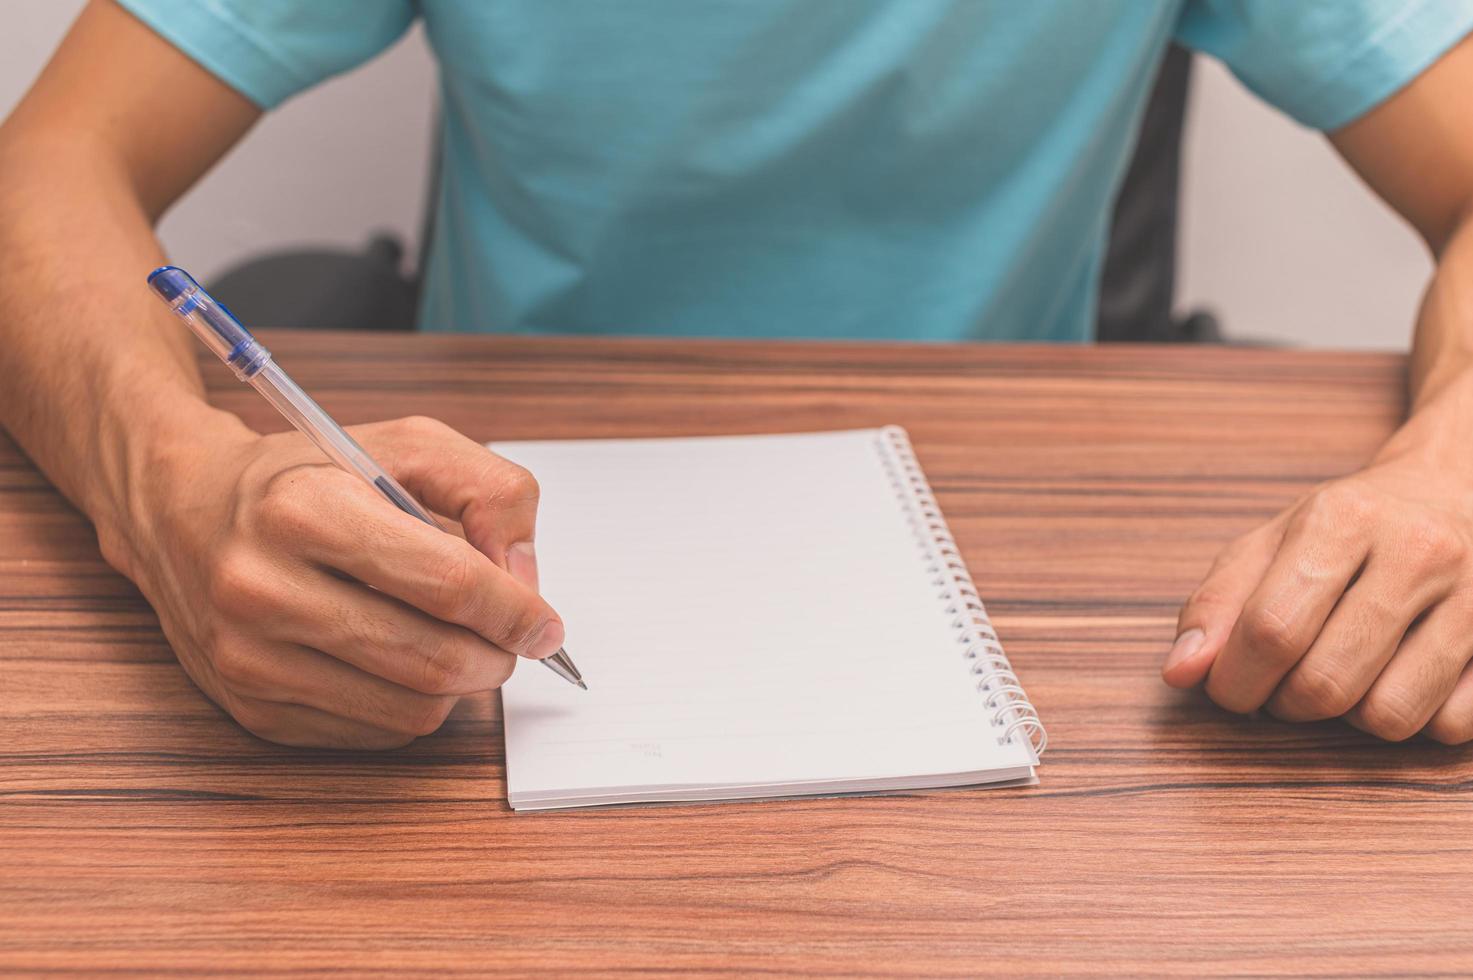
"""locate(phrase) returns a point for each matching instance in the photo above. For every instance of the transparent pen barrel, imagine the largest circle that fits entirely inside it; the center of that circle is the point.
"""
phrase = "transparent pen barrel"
(309, 418)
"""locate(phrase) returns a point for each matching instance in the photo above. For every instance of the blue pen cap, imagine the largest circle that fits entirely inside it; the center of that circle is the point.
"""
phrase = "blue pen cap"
(171, 282)
(211, 322)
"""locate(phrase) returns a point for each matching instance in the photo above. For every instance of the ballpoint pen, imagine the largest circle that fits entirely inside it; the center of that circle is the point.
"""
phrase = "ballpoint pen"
(222, 333)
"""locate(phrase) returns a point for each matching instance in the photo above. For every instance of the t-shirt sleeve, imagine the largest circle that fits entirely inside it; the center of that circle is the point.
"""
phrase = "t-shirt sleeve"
(269, 50)
(1325, 62)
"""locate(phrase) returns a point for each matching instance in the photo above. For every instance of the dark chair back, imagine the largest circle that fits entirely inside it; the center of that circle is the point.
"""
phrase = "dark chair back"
(1137, 287)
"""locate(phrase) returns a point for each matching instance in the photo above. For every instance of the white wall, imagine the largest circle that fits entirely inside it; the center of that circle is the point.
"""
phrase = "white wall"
(346, 160)
(329, 168)
(1278, 237)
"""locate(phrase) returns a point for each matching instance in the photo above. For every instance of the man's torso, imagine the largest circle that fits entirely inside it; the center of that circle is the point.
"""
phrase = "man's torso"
(931, 169)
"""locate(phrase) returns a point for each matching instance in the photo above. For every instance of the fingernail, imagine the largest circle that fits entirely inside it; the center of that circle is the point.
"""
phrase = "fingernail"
(521, 561)
(1185, 648)
(547, 641)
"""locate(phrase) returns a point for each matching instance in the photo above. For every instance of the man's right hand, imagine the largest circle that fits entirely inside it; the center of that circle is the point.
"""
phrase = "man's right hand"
(316, 612)
(303, 603)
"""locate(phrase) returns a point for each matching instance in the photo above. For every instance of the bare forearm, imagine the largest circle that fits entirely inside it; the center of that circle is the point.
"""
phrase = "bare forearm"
(1443, 348)
(99, 383)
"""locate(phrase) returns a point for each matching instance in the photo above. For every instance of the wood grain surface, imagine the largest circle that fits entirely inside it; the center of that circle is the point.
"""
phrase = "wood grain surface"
(142, 831)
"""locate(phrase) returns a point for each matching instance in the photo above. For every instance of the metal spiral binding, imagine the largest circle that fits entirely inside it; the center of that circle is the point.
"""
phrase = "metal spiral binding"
(1007, 704)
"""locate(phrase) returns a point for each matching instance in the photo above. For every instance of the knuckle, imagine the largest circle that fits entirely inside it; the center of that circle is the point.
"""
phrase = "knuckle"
(1339, 506)
(1267, 634)
(238, 584)
(295, 501)
(264, 471)
(257, 718)
(455, 594)
(1318, 692)
(509, 485)
(1431, 544)
(284, 505)
(1389, 715)
(422, 426)
(425, 715)
(1449, 730)
(238, 667)
(1310, 567)
(1205, 597)
(443, 664)
(518, 484)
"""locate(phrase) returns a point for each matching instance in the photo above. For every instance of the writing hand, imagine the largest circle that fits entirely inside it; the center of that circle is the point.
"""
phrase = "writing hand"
(316, 613)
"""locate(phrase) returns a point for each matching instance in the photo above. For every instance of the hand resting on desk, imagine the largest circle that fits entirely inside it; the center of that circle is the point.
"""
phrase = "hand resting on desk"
(1355, 602)
(316, 613)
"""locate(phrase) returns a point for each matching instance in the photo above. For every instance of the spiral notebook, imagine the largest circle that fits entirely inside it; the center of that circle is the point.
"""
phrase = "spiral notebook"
(756, 616)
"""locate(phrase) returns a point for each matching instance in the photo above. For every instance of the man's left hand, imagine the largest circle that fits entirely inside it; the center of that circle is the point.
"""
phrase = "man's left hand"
(1357, 601)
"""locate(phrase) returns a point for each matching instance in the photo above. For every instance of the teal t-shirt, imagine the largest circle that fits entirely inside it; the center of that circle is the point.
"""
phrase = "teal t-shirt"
(925, 169)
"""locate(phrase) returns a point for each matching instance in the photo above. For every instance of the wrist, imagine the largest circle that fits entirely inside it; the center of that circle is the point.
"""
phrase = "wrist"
(159, 457)
(1439, 429)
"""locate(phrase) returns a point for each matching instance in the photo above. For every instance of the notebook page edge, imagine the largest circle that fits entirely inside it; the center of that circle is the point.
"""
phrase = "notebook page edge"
(1012, 777)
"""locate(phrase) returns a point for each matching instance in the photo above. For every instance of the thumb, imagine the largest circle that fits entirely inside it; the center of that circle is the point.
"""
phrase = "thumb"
(1205, 621)
(493, 499)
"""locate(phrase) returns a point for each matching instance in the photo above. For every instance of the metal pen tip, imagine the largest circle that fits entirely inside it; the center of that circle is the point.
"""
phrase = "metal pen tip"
(562, 665)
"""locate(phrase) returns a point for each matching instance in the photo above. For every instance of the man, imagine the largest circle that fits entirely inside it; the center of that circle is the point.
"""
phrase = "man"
(907, 168)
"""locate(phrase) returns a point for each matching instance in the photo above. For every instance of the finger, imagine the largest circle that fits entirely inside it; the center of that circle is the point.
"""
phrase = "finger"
(1204, 622)
(492, 497)
(289, 674)
(1314, 564)
(385, 637)
(292, 724)
(1452, 723)
(344, 527)
(1357, 643)
(1419, 679)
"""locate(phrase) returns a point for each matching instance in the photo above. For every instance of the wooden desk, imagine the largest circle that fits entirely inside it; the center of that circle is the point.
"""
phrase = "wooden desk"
(141, 830)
